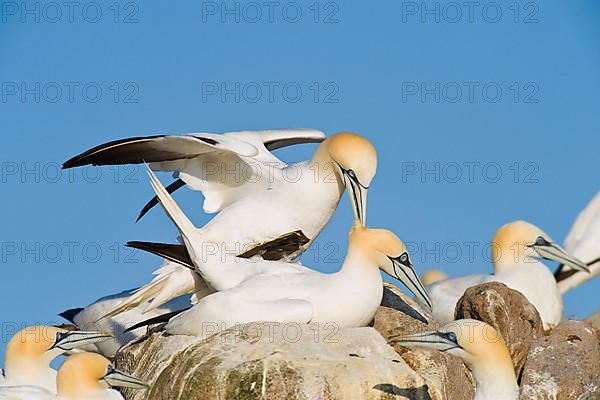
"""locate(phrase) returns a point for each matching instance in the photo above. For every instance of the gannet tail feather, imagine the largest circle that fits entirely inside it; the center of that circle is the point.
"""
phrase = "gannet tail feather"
(183, 223)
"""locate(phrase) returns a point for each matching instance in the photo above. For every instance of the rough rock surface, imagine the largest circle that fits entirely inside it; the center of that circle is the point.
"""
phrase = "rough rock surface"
(268, 361)
(594, 320)
(447, 377)
(564, 365)
(508, 311)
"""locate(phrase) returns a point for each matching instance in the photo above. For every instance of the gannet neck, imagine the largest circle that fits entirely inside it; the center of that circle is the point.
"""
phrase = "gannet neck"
(495, 378)
(359, 259)
(484, 350)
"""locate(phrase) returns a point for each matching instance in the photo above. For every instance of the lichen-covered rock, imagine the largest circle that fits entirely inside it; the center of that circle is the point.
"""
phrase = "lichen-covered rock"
(447, 377)
(564, 365)
(272, 361)
(506, 310)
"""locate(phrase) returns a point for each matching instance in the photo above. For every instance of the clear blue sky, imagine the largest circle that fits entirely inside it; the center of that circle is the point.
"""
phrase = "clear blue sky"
(465, 95)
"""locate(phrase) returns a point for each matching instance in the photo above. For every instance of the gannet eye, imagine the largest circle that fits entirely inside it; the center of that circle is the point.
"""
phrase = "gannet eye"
(540, 241)
(452, 337)
(352, 174)
(404, 258)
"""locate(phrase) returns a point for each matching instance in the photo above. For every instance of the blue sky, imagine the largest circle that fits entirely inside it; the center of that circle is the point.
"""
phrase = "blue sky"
(480, 117)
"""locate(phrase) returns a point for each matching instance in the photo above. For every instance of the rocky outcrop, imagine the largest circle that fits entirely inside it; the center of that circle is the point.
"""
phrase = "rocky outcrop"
(271, 361)
(506, 310)
(447, 377)
(564, 365)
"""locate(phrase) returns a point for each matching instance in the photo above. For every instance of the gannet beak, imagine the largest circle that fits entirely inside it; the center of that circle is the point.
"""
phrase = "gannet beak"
(72, 340)
(442, 341)
(552, 251)
(116, 378)
(405, 273)
(357, 193)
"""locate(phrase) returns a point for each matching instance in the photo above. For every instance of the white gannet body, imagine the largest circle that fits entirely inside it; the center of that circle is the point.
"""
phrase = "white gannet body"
(583, 241)
(30, 351)
(481, 347)
(90, 318)
(83, 376)
(348, 298)
(515, 250)
(273, 213)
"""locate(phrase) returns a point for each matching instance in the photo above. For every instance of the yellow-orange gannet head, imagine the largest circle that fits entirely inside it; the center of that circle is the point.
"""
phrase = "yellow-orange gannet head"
(383, 248)
(516, 242)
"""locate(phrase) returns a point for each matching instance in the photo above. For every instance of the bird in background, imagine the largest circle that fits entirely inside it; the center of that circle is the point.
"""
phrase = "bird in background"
(516, 249)
(583, 241)
(481, 347)
(273, 214)
(432, 276)
(83, 376)
(289, 292)
(90, 318)
(30, 351)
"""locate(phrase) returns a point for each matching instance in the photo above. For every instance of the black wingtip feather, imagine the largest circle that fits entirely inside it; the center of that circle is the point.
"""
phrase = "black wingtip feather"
(70, 314)
(110, 153)
(173, 252)
(154, 201)
(161, 319)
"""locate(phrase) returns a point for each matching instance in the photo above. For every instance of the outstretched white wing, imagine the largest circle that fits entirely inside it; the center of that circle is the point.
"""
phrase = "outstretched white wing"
(225, 167)
(583, 242)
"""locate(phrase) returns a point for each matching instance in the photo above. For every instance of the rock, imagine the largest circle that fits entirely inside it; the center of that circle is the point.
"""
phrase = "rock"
(506, 310)
(564, 365)
(272, 361)
(446, 376)
(594, 320)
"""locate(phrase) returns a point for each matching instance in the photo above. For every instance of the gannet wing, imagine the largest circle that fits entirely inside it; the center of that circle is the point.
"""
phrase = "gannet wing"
(583, 242)
(209, 312)
(224, 167)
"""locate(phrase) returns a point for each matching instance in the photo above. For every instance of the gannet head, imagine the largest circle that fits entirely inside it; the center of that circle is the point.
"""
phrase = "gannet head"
(389, 253)
(88, 373)
(355, 162)
(41, 344)
(476, 342)
(432, 276)
(519, 240)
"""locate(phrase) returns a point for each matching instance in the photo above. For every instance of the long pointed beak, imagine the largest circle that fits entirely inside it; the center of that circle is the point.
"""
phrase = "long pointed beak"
(75, 339)
(116, 378)
(432, 340)
(409, 278)
(556, 253)
(358, 197)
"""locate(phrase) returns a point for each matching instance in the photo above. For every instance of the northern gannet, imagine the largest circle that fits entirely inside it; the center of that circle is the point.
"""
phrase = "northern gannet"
(267, 209)
(89, 318)
(348, 298)
(515, 249)
(432, 276)
(30, 351)
(261, 290)
(583, 241)
(481, 347)
(83, 376)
